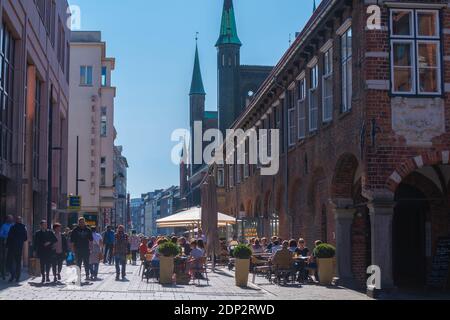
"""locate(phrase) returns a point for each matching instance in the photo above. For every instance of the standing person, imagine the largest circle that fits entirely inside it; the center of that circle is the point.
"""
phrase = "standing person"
(17, 236)
(134, 246)
(121, 245)
(61, 249)
(4, 231)
(81, 238)
(44, 241)
(108, 241)
(96, 251)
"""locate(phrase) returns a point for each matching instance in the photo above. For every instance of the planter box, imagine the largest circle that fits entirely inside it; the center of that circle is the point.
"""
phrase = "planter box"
(242, 271)
(326, 271)
(166, 267)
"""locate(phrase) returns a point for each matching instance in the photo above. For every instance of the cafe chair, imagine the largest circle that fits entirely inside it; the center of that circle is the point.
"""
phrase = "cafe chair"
(199, 270)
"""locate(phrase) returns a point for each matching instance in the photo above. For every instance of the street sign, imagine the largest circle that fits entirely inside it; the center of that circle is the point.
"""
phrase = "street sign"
(74, 203)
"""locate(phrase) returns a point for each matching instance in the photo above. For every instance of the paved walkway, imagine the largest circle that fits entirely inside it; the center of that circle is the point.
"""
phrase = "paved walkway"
(221, 287)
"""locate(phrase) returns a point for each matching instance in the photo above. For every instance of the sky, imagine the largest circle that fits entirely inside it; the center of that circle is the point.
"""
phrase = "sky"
(153, 43)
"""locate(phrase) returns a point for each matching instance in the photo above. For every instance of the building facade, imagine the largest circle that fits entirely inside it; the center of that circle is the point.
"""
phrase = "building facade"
(235, 87)
(34, 92)
(137, 222)
(363, 114)
(121, 210)
(91, 128)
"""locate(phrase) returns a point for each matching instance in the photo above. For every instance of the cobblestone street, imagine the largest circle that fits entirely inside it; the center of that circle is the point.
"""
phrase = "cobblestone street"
(221, 287)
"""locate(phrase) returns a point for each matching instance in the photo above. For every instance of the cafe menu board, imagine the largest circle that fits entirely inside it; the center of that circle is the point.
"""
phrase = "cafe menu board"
(438, 277)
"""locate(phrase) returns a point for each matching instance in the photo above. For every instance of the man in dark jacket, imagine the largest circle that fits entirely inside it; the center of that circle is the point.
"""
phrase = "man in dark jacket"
(44, 240)
(17, 236)
(121, 249)
(108, 241)
(81, 238)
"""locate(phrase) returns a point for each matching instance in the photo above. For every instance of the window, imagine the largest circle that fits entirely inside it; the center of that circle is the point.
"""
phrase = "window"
(104, 76)
(7, 46)
(301, 109)
(313, 99)
(103, 177)
(103, 161)
(231, 176)
(86, 75)
(53, 23)
(220, 177)
(263, 137)
(415, 52)
(247, 160)
(346, 65)
(291, 118)
(103, 123)
(37, 128)
(327, 82)
(238, 173)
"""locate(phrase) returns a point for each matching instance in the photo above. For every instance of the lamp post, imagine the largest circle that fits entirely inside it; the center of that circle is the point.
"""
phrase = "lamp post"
(77, 175)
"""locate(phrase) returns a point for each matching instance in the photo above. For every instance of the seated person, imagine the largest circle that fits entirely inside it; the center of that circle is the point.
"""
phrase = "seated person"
(257, 248)
(275, 247)
(233, 244)
(195, 257)
(302, 250)
(185, 247)
(292, 246)
(282, 260)
(312, 262)
(143, 248)
(224, 255)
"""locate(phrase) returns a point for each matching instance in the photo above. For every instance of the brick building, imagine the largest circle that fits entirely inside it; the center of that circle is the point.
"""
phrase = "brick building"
(34, 93)
(364, 127)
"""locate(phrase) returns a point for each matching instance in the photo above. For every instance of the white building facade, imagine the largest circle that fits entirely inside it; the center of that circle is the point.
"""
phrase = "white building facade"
(91, 128)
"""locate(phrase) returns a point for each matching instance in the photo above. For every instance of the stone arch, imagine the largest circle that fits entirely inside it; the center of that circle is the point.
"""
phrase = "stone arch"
(268, 204)
(295, 194)
(318, 178)
(258, 212)
(412, 164)
(249, 209)
(342, 186)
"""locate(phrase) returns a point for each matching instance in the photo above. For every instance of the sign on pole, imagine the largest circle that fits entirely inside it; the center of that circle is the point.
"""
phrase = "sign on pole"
(74, 203)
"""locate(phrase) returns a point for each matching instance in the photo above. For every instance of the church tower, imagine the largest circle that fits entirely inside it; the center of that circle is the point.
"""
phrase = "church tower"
(228, 62)
(197, 97)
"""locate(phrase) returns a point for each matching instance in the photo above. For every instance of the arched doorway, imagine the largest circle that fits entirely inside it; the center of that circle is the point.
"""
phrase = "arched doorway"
(409, 236)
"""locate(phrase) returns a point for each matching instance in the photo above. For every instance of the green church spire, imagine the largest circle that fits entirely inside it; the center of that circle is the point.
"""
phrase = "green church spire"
(197, 81)
(228, 30)
(314, 6)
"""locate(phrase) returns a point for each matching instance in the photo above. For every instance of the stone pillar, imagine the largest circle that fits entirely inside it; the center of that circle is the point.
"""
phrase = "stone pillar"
(344, 219)
(381, 216)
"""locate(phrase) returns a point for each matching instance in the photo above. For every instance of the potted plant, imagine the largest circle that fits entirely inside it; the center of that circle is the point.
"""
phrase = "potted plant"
(168, 251)
(242, 253)
(325, 254)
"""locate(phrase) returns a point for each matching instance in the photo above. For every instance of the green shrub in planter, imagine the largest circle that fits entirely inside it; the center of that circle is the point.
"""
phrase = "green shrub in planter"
(242, 251)
(324, 251)
(169, 249)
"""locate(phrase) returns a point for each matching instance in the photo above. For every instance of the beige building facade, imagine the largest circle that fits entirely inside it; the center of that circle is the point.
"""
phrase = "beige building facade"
(34, 96)
(91, 128)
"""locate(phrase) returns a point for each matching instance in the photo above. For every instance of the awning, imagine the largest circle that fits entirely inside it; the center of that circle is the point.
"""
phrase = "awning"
(191, 217)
